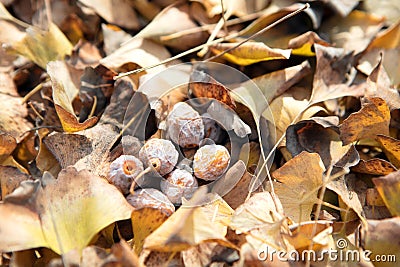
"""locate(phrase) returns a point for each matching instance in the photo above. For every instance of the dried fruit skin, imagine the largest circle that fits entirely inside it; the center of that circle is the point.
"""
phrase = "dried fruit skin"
(151, 198)
(185, 126)
(210, 162)
(123, 170)
(178, 184)
(160, 152)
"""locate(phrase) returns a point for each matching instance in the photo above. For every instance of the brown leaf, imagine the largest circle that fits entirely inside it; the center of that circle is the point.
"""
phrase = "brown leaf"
(372, 119)
(172, 19)
(348, 191)
(97, 86)
(374, 166)
(118, 12)
(299, 180)
(45, 160)
(10, 179)
(67, 148)
(321, 135)
(379, 85)
(302, 45)
(13, 116)
(381, 238)
(391, 147)
(386, 42)
(289, 105)
(64, 92)
(332, 77)
(353, 32)
(278, 82)
(388, 187)
(192, 224)
(7, 145)
(202, 85)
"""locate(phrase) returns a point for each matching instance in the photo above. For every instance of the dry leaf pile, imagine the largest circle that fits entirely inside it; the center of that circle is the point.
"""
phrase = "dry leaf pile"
(313, 153)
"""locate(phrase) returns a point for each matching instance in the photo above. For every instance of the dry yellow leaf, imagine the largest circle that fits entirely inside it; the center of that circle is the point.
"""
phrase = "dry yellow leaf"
(64, 92)
(299, 180)
(144, 222)
(43, 46)
(64, 215)
(372, 119)
(389, 187)
(374, 166)
(192, 224)
(250, 52)
(391, 147)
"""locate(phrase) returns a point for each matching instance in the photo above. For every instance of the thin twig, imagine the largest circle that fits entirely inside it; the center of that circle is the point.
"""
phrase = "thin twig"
(261, 31)
(226, 38)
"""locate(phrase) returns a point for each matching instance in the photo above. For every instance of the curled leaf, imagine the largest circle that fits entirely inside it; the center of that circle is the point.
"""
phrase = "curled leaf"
(250, 52)
(64, 92)
(391, 147)
(372, 119)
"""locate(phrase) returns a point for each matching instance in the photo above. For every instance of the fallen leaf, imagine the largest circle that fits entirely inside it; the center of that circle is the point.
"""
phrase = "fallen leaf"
(302, 45)
(379, 85)
(144, 222)
(278, 82)
(333, 75)
(321, 135)
(391, 147)
(7, 145)
(260, 220)
(45, 160)
(346, 188)
(381, 238)
(299, 180)
(64, 92)
(97, 86)
(64, 215)
(202, 85)
(343, 7)
(13, 115)
(258, 210)
(118, 12)
(10, 179)
(141, 51)
(388, 187)
(177, 15)
(250, 52)
(43, 46)
(113, 37)
(389, 9)
(191, 225)
(373, 198)
(387, 43)
(67, 148)
(372, 119)
(353, 32)
(303, 234)
(374, 166)
(120, 99)
(290, 106)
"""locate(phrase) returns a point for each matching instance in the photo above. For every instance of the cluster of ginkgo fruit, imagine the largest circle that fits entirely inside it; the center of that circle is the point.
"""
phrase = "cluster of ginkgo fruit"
(186, 129)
